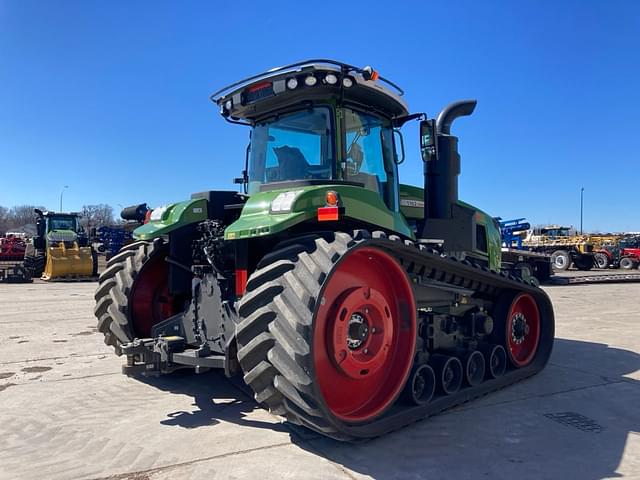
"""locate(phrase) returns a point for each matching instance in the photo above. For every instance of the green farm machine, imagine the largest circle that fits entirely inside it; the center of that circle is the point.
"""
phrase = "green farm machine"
(60, 249)
(349, 303)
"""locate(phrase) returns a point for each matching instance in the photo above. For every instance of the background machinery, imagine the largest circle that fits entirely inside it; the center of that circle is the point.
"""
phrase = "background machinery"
(60, 248)
(566, 248)
(618, 251)
(12, 249)
(110, 239)
(518, 259)
(324, 283)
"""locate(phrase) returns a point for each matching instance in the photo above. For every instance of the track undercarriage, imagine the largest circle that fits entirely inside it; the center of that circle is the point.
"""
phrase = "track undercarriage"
(351, 335)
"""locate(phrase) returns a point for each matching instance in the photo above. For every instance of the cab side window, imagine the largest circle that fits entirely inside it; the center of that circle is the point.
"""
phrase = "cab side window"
(369, 154)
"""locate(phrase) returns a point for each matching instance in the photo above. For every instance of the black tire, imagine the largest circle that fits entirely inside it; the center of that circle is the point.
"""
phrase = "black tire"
(627, 263)
(561, 260)
(601, 260)
(584, 262)
(114, 285)
(275, 328)
(34, 264)
(543, 270)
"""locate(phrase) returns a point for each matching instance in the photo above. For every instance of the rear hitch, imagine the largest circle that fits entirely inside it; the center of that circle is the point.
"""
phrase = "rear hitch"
(151, 356)
(155, 356)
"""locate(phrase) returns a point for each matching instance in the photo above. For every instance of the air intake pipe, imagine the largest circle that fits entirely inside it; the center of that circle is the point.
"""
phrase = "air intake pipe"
(441, 179)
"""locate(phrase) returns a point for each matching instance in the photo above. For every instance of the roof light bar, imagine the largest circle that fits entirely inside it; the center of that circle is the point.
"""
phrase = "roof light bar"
(298, 67)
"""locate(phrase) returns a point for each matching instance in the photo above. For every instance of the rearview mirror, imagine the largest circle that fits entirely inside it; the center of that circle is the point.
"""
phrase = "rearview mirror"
(399, 155)
(428, 145)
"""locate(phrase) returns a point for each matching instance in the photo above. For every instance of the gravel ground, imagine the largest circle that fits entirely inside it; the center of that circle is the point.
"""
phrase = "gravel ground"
(67, 412)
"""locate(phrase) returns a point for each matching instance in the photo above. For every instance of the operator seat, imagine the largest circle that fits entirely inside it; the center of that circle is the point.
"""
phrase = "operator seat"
(368, 181)
(293, 165)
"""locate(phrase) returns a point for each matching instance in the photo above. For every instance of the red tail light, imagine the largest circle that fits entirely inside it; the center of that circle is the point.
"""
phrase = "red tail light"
(328, 214)
(241, 282)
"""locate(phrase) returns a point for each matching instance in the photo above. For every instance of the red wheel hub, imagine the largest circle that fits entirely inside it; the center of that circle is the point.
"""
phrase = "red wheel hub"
(523, 330)
(364, 335)
(150, 299)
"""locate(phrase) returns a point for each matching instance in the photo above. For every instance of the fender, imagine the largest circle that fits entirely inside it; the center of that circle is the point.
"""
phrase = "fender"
(169, 218)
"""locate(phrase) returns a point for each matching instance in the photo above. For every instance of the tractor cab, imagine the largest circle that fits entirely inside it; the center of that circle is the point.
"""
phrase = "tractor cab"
(55, 227)
(316, 123)
(325, 135)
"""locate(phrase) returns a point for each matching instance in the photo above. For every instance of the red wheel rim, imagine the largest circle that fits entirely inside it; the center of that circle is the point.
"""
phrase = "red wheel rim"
(523, 330)
(150, 299)
(364, 335)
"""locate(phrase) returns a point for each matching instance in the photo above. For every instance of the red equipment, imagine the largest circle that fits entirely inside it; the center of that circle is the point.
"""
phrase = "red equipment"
(12, 249)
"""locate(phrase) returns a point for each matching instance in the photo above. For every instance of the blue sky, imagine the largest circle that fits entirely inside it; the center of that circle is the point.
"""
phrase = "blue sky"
(111, 98)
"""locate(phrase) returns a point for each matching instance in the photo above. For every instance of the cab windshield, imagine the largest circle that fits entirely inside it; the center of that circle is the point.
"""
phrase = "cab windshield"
(293, 146)
(62, 223)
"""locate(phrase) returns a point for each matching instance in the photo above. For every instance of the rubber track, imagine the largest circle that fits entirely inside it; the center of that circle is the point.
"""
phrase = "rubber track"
(276, 321)
(114, 287)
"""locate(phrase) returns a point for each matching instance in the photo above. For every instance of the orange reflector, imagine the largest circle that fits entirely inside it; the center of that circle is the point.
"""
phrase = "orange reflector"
(375, 75)
(241, 281)
(328, 214)
(332, 198)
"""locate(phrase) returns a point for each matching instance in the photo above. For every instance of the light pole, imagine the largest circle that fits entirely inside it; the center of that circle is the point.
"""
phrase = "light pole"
(61, 193)
(581, 207)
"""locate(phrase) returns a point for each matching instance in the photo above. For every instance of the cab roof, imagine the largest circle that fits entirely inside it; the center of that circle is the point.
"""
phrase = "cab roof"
(309, 81)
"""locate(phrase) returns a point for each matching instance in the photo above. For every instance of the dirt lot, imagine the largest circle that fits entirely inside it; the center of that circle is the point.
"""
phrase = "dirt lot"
(67, 412)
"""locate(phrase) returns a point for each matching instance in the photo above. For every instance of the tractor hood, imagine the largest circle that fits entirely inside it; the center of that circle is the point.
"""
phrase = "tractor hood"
(268, 213)
(67, 236)
(168, 218)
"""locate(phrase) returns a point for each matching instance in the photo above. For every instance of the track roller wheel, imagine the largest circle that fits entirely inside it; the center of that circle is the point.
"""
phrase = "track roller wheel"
(496, 360)
(474, 367)
(421, 385)
(328, 331)
(448, 372)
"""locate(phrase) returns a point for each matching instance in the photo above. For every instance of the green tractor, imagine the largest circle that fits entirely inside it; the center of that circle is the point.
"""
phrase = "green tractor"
(349, 303)
(60, 249)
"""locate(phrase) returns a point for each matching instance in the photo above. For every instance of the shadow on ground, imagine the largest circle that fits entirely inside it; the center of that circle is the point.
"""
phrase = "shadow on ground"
(215, 398)
(570, 421)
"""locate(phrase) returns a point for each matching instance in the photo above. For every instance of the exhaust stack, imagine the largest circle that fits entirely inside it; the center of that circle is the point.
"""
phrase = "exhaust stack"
(441, 179)
(445, 218)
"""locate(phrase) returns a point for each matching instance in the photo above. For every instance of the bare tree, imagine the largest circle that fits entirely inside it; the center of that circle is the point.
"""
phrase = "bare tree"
(4, 220)
(22, 215)
(96, 216)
